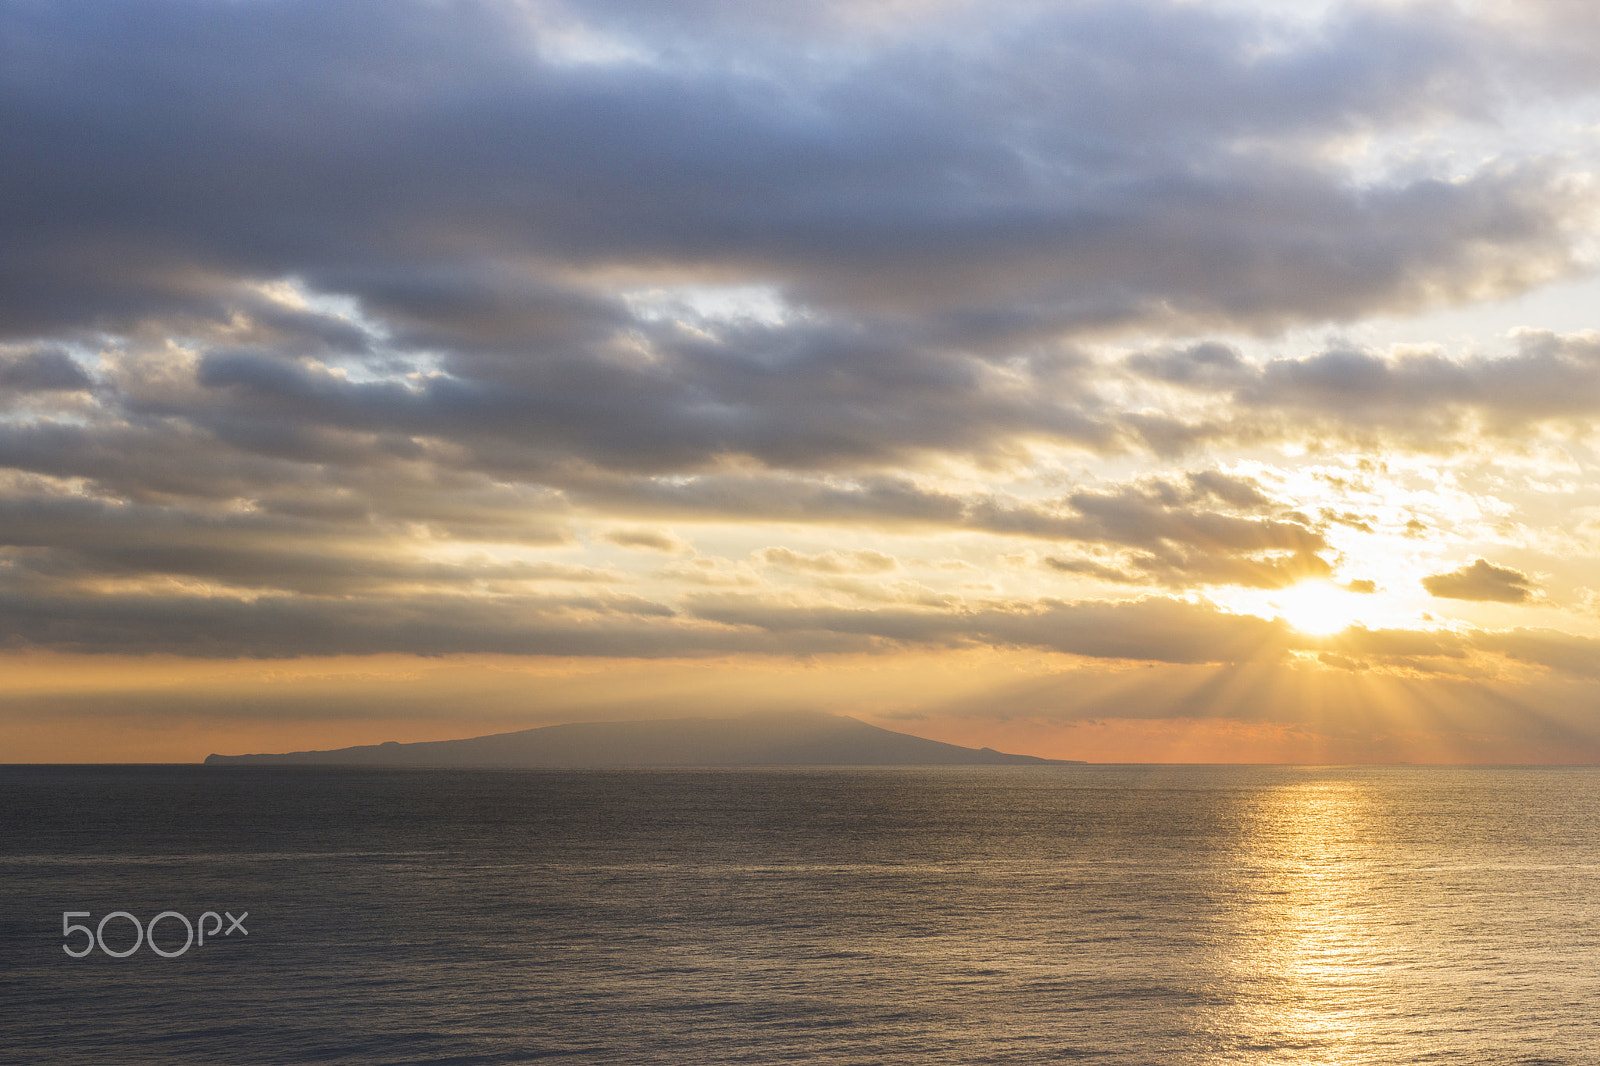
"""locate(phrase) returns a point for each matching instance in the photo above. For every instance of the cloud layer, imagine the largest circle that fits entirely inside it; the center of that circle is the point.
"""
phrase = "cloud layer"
(1481, 581)
(602, 329)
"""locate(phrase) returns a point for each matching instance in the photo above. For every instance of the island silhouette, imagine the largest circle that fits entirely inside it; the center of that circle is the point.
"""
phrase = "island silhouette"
(757, 740)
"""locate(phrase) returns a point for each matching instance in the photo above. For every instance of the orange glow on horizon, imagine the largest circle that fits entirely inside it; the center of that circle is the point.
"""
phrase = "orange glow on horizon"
(56, 708)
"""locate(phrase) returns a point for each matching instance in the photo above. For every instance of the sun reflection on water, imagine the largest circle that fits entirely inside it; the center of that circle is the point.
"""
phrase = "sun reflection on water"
(1325, 953)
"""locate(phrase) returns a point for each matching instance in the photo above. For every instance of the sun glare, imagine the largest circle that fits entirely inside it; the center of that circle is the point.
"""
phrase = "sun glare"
(1318, 608)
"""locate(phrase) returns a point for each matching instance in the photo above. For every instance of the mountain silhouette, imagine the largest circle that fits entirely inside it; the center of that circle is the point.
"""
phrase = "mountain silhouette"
(779, 740)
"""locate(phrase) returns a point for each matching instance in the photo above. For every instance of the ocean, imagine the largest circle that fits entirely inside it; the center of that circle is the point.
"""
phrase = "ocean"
(962, 915)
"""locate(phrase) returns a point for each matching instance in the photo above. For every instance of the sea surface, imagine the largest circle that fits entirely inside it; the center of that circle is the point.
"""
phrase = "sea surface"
(1102, 914)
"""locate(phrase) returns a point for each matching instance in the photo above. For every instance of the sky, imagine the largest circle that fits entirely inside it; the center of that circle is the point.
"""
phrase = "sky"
(1149, 380)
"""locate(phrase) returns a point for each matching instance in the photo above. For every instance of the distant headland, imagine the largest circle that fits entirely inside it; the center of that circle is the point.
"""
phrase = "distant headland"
(778, 740)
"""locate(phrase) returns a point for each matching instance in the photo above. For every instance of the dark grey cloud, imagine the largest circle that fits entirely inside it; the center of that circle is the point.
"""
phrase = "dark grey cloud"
(800, 397)
(71, 542)
(1207, 365)
(1426, 400)
(607, 625)
(42, 370)
(1078, 163)
(440, 624)
(1158, 630)
(353, 515)
(1548, 377)
(294, 290)
(1483, 581)
(941, 201)
(820, 396)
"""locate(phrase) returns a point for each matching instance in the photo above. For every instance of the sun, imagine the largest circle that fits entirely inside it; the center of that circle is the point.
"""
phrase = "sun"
(1318, 608)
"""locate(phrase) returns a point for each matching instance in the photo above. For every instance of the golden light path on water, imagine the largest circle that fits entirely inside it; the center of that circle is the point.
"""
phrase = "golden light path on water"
(1404, 915)
(1324, 958)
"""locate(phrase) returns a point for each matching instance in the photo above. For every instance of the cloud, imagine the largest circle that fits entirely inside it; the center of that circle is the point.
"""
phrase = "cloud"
(172, 621)
(1481, 581)
(1170, 534)
(1549, 377)
(829, 397)
(656, 540)
(861, 561)
(1421, 398)
(1018, 169)
(71, 543)
(271, 627)
(1172, 531)
(272, 254)
(1549, 648)
(42, 370)
(1154, 629)
(1094, 569)
(318, 317)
